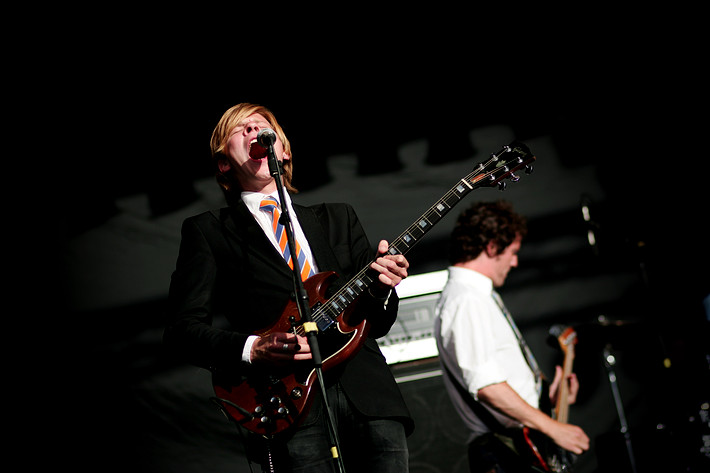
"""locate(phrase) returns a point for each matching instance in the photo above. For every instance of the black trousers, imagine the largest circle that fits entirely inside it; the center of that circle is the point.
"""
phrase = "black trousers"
(367, 445)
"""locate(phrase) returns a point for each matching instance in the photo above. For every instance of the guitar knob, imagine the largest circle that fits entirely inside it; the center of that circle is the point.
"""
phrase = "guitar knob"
(258, 410)
(265, 420)
(275, 400)
(282, 411)
(296, 393)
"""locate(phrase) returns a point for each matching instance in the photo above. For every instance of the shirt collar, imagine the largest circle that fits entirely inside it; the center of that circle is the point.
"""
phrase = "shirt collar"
(253, 199)
(471, 278)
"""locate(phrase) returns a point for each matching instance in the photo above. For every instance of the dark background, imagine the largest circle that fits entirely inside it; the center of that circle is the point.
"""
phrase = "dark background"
(617, 122)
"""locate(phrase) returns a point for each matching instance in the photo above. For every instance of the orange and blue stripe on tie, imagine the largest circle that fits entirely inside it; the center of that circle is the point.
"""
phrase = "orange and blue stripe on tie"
(271, 206)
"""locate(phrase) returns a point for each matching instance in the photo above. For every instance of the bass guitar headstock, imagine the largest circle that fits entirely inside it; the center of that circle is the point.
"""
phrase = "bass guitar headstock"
(566, 337)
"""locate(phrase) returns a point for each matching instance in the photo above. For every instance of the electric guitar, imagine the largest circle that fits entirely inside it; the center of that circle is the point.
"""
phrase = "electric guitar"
(543, 452)
(268, 403)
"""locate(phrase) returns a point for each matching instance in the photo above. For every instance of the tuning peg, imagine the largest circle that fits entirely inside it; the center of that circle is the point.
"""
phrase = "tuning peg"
(529, 169)
(502, 185)
(514, 178)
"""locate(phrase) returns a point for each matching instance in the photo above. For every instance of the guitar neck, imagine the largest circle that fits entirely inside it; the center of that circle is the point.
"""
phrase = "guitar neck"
(488, 173)
(562, 408)
(411, 236)
(326, 314)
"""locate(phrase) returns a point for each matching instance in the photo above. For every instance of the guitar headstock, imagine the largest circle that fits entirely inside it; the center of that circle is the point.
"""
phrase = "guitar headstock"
(503, 165)
(566, 336)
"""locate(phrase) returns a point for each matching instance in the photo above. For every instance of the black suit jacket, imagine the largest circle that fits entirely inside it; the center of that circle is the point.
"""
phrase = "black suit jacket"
(228, 270)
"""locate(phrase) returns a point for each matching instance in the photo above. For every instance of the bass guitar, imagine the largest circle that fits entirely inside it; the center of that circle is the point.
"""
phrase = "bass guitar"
(268, 403)
(542, 451)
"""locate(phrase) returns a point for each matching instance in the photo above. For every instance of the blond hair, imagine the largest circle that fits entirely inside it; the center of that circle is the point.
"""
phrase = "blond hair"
(223, 131)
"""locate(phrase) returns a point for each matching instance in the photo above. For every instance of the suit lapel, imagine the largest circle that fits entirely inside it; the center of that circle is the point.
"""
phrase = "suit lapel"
(317, 240)
(239, 223)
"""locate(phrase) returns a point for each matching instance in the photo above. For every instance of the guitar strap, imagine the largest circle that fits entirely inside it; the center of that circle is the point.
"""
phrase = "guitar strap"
(527, 353)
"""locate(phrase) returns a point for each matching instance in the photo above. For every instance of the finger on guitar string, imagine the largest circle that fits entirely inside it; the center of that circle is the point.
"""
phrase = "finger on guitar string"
(570, 437)
(382, 247)
(392, 269)
(280, 347)
(398, 259)
(291, 342)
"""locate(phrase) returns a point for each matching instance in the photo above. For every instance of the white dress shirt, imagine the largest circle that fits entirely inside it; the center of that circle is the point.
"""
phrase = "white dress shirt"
(477, 344)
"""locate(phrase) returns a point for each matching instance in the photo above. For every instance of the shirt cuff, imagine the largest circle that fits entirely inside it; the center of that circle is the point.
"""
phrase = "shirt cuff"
(246, 353)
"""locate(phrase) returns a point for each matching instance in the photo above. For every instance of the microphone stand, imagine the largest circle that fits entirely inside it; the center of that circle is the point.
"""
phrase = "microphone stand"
(304, 308)
(609, 362)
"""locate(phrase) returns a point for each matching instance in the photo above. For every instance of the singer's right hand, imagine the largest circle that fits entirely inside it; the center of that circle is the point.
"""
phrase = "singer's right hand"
(279, 348)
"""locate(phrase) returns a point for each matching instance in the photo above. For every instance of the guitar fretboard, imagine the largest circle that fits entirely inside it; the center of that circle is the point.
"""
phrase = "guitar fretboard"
(488, 173)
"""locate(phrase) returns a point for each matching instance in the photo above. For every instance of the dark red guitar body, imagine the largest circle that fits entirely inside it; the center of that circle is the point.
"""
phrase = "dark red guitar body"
(270, 403)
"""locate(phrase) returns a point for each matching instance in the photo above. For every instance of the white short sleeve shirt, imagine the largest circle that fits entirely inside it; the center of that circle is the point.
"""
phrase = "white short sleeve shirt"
(475, 341)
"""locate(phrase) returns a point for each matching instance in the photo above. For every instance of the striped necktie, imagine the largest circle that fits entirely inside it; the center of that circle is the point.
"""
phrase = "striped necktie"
(527, 353)
(272, 207)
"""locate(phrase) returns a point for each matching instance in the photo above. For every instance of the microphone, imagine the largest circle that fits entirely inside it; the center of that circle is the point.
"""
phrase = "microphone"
(266, 137)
